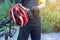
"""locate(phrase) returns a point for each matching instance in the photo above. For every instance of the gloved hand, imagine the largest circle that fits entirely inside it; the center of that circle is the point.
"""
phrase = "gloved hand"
(22, 6)
(28, 10)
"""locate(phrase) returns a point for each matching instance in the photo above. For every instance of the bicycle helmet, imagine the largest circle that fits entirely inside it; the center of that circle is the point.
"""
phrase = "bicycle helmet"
(19, 15)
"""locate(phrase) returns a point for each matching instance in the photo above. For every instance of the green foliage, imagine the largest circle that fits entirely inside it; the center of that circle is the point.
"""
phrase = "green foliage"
(50, 20)
(4, 9)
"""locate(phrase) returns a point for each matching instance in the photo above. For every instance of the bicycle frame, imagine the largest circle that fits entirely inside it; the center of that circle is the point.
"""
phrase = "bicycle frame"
(7, 29)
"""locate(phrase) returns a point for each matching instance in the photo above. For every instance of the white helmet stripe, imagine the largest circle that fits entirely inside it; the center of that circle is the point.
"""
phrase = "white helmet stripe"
(21, 20)
(23, 12)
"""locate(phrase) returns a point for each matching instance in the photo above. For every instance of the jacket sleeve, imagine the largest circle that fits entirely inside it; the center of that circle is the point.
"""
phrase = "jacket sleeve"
(18, 1)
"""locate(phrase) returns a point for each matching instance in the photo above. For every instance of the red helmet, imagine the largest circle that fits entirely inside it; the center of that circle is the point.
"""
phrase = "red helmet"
(19, 15)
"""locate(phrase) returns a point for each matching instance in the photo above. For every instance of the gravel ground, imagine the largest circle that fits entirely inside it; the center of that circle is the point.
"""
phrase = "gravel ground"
(50, 36)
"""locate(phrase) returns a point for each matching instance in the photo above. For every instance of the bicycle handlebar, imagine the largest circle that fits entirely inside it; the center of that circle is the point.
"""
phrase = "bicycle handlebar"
(3, 23)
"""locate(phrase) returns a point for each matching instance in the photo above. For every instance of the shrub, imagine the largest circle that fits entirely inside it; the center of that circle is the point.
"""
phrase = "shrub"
(4, 10)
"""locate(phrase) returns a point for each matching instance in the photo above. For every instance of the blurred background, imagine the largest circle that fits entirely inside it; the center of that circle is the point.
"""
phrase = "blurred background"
(50, 16)
(50, 20)
(5, 6)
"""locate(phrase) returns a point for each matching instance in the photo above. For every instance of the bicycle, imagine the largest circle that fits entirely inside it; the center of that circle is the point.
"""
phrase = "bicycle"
(9, 31)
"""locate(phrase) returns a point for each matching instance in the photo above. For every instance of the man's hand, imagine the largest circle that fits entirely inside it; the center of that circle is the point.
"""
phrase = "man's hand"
(42, 5)
(28, 10)
(38, 7)
(23, 6)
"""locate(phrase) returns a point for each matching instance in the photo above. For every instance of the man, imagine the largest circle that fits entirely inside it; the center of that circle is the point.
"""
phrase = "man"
(34, 26)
